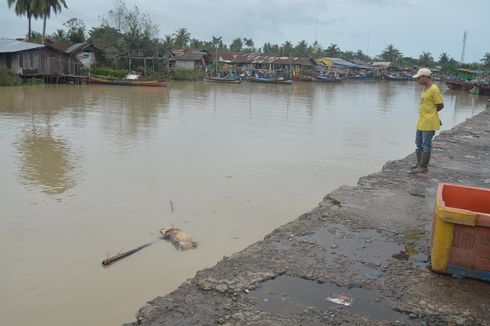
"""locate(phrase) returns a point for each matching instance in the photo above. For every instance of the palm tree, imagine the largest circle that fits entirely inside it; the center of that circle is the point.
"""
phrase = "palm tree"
(333, 50)
(24, 7)
(347, 55)
(426, 59)
(269, 48)
(249, 43)
(43, 8)
(287, 48)
(168, 43)
(60, 35)
(266, 48)
(361, 56)
(196, 44)
(443, 58)
(236, 45)
(391, 53)
(182, 37)
(217, 42)
(301, 49)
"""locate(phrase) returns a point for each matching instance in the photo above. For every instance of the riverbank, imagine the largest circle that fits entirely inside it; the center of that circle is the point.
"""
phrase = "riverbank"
(368, 242)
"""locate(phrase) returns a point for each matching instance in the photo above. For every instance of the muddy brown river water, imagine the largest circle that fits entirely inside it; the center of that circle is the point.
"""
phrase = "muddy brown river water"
(90, 171)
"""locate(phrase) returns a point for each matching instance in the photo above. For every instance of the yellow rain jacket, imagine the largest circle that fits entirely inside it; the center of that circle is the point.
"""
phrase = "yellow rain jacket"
(428, 115)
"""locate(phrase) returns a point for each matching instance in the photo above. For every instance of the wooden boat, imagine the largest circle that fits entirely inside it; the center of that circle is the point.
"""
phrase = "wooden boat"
(270, 80)
(327, 79)
(462, 81)
(397, 77)
(126, 82)
(458, 84)
(302, 78)
(226, 80)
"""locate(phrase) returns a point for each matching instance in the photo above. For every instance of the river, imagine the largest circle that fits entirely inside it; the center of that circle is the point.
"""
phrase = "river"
(90, 171)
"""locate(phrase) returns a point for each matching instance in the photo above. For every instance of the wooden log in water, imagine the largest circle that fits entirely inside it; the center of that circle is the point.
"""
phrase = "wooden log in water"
(121, 255)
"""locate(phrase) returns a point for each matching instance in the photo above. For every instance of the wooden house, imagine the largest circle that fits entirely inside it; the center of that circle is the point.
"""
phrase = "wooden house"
(35, 60)
(189, 58)
(84, 52)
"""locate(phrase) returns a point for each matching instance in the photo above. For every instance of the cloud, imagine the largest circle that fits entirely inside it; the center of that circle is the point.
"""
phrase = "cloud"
(414, 26)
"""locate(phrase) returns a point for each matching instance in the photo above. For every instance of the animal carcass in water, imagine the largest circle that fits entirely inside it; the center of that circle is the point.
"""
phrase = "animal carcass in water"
(178, 238)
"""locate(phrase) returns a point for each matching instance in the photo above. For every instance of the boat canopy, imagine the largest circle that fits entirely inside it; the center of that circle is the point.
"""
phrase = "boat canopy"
(466, 74)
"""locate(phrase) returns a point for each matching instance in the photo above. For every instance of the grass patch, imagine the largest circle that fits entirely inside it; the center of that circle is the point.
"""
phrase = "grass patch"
(7, 78)
(185, 74)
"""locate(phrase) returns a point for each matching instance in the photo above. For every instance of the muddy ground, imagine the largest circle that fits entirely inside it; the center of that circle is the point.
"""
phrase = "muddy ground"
(367, 246)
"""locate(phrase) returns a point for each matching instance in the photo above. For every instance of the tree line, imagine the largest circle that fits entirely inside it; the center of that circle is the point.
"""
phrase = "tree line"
(127, 29)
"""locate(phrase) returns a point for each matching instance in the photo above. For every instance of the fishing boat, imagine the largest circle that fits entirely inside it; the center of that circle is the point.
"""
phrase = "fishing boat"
(270, 80)
(302, 78)
(399, 76)
(458, 84)
(126, 82)
(226, 80)
(462, 81)
(327, 79)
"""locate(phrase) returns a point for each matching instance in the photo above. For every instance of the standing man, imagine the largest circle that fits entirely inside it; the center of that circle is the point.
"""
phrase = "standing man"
(430, 104)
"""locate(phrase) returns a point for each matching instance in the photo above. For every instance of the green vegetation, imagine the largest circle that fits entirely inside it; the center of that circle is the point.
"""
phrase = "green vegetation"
(107, 72)
(119, 73)
(8, 78)
(185, 74)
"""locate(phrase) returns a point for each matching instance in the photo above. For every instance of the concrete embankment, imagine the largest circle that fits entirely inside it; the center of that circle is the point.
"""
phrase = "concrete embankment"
(360, 258)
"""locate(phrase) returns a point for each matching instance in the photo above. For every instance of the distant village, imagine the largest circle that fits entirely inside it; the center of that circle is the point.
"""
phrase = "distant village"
(126, 44)
(66, 62)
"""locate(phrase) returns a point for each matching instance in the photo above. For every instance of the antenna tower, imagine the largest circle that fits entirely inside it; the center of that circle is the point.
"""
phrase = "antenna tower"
(465, 36)
(316, 28)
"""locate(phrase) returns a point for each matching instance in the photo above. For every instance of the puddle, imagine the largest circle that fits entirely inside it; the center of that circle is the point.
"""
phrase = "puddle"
(287, 295)
(367, 250)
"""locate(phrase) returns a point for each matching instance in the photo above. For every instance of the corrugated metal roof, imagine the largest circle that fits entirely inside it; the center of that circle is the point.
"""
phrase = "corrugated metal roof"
(55, 44)
(11, 46)
(338, 62)
(75, 47)
(188, 54)
(381, 64)
(260, 58)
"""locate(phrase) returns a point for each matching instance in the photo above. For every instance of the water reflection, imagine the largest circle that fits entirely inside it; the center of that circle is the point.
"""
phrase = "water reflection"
(128, 112)
(463, 103)
(46, 161)
(463, 100)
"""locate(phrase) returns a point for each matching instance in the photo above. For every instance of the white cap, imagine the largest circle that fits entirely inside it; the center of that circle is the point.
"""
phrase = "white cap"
(422, 72)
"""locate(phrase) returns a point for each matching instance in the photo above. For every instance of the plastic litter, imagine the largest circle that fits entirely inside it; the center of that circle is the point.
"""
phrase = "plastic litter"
(341, 299)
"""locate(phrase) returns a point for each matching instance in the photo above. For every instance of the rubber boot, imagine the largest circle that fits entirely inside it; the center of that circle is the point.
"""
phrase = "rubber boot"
(418, 153)
(424, 163)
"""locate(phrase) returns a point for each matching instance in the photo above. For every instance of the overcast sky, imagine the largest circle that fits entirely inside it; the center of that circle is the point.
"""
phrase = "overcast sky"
(412, 26)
